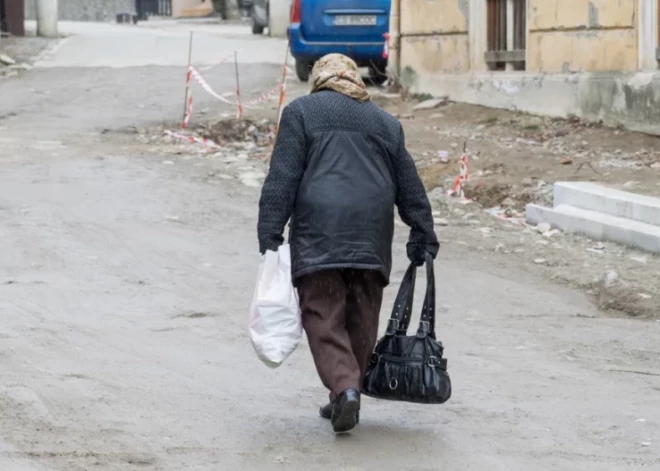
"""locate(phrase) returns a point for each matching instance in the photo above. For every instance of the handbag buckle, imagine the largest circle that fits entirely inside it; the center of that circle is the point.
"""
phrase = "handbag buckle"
(394, 322)
(393, 384)
(433, 361)
(375, 358)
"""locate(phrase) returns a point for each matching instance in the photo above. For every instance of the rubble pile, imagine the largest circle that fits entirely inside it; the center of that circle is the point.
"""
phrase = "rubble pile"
(244, 131)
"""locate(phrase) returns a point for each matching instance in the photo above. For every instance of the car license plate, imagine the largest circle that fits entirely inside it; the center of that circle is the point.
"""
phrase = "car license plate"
(355, 20)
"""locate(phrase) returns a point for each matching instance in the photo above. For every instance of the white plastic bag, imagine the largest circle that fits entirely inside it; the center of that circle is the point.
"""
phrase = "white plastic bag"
(275, 322)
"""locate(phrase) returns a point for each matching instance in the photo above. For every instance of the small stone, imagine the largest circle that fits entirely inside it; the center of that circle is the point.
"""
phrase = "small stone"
(645, 296)
(551, 233)
(566, 161)
(454, 145)
(252, 175)
(440, 222)
(630, 184)
(437, 116)
(527, 181)
(646, 443)
(168, 162)
(655, 165)
(610, 278)
(5, 59)
(251, 183)
(430, 104)
(641, 259)
(436, 214)
(543, 227)
(540, 261)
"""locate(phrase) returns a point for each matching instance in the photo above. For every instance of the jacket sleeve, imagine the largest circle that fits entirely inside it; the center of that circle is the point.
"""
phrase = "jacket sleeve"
(413, 205)
(278, 194)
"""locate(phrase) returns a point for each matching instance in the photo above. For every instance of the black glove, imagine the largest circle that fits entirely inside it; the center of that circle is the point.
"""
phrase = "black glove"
(270, 243)
(417, 252)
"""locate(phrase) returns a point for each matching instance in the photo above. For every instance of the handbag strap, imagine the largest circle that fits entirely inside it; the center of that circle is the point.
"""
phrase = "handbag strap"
(427, 320)
(428, 310)
(403, 304)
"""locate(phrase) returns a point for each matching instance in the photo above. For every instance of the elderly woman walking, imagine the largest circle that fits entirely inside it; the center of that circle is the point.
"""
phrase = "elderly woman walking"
(338, 169)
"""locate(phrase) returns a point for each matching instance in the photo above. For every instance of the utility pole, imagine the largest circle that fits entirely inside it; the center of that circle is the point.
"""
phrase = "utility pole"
(47, 18)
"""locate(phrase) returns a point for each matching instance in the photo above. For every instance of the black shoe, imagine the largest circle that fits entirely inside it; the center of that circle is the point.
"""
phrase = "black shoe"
(345, 410)
(326, 412)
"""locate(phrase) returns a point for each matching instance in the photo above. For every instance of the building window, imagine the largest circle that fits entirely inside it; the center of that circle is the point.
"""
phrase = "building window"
(507, 34)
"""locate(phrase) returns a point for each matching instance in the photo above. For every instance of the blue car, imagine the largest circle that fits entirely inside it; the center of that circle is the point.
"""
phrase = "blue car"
(355, 28)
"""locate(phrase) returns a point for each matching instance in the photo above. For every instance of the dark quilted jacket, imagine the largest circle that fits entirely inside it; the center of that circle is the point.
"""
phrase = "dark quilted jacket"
(338, 169)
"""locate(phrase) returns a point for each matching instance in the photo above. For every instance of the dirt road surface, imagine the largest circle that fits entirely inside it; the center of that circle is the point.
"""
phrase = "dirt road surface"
(126, 271)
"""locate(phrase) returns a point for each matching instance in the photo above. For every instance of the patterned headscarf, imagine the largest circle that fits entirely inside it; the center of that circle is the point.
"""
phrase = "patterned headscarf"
(339, 73)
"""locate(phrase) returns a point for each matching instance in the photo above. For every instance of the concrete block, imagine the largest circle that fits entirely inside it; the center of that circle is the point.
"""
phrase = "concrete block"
(598, 198)
(598, 226)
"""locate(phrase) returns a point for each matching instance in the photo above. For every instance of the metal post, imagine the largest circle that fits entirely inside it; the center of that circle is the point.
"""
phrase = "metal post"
(185, 98)
(239, 113)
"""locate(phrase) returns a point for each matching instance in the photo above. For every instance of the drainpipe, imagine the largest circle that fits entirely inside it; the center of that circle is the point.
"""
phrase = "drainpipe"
(47, 18)
(398, 40)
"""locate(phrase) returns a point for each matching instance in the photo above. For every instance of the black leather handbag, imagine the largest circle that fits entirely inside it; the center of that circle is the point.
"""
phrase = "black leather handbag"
(410, 368)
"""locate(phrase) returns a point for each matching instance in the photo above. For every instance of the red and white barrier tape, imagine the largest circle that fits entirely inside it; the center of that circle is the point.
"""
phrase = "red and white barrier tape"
(192, 138)
(224, 59)
(269, 95)
(193, 73)
(204, 84)
(461, 179)
(386, 47)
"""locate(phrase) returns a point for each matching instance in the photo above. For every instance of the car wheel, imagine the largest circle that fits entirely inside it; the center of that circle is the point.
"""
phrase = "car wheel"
(303, 70)
(378, 73)
(256, 29)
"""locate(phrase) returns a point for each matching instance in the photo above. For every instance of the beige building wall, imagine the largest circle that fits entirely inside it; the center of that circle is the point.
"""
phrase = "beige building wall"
(191, 8)
(582, 35)
(564, 36)
(434, 35)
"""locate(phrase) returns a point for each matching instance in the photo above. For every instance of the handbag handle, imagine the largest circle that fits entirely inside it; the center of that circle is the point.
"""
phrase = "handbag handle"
(428, 309)
(427, 320)
(403, 303)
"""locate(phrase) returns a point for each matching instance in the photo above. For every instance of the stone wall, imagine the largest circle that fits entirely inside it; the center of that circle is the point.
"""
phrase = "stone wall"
(85, 10)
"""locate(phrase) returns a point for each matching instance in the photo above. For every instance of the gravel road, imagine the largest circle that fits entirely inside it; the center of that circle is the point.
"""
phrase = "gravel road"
(125, 280)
